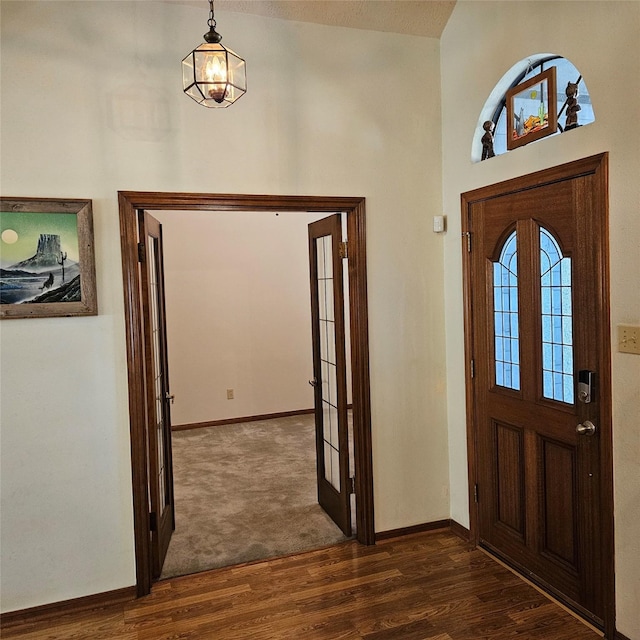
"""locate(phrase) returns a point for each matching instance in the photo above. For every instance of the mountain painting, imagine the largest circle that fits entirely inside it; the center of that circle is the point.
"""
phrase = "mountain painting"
(39, 261)
(47, 261)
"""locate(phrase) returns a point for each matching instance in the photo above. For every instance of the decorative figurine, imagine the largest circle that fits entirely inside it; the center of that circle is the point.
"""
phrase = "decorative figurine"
(519, 123)
(572, 106)
(487, 140)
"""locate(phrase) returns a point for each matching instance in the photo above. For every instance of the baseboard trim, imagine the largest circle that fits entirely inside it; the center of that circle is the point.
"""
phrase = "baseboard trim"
(75, 605)
(416, 528)
(218, 423)
(459, 530)
(621, 636)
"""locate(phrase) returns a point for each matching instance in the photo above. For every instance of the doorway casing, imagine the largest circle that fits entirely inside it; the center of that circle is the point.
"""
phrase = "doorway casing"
(130, 202)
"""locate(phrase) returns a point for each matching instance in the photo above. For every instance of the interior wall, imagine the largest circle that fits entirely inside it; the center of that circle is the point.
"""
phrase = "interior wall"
(238, 313)
(92, 103)
(480, 43)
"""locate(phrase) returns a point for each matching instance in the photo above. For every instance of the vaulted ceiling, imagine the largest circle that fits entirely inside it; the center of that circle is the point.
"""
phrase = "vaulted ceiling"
(412, 17)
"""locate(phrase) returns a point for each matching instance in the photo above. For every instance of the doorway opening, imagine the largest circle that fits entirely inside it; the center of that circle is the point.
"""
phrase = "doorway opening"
(538, 381)
(239, 324)
(131, 203)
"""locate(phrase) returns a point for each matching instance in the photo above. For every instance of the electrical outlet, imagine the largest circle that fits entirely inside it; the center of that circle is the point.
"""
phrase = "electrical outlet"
(229, 394)
(628, 339)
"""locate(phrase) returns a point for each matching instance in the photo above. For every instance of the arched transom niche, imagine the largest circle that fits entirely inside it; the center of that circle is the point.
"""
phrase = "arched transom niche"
(572, 109)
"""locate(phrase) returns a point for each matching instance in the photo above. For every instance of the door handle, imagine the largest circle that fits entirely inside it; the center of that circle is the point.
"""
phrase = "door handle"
(314, 382)
(169, 396)
(587, 428)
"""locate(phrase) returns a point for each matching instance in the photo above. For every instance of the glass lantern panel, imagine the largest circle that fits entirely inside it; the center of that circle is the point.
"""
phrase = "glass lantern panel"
(211, 66)
(195, 93)
(237, 72)
(187, 71)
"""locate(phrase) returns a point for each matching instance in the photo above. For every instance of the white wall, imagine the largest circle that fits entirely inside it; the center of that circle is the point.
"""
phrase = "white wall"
(238, 313)
(481, 42)
(92, 104)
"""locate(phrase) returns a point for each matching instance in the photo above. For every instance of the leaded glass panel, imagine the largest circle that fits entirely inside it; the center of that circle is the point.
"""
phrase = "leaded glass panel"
(505, 316)
(557, 321)
(328, 362)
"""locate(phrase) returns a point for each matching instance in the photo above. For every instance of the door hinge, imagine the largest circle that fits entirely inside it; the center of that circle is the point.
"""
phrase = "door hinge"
(153, 521)
(475, 492)
(344, 249)
(141, 252)
(473, 368)
(468, 236)
(352, 484)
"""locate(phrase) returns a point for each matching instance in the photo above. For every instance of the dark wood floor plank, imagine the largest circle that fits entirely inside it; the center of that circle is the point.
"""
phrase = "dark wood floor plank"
(427, 586)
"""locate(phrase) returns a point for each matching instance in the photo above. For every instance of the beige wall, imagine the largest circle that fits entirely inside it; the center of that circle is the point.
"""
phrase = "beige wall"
(481, 42)
(238, 313)
(92, 104)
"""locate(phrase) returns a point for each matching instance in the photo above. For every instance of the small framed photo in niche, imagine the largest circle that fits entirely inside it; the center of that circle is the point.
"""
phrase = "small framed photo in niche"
(532, 109)
(46, 258)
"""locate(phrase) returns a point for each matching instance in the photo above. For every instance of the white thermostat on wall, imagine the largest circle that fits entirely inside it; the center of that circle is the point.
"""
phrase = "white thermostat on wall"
(438, 224)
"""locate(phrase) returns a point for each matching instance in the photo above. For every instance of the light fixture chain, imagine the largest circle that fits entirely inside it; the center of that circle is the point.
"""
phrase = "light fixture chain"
(211, 21)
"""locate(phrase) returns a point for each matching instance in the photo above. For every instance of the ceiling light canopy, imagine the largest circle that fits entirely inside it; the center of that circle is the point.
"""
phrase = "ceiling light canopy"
(213, 75)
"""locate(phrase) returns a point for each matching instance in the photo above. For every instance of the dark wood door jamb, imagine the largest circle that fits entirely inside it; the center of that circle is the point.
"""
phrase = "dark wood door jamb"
(132, 201)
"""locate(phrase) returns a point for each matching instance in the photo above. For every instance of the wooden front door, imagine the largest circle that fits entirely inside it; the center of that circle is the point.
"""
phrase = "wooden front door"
(537, 327)
(329, 370)
(157, 395)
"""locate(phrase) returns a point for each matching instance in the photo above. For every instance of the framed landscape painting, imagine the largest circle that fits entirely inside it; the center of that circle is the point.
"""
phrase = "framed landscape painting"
(47, 263)
(531, 109)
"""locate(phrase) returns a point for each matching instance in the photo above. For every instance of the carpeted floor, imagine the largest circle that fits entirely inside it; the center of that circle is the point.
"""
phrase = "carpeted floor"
(245, 492)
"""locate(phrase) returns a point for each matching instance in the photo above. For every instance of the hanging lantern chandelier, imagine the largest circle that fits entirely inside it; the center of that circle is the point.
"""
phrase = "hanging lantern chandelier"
(213, 75)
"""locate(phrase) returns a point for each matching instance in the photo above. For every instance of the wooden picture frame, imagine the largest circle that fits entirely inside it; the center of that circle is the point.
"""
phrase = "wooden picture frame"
(532, 109)
(47, 258)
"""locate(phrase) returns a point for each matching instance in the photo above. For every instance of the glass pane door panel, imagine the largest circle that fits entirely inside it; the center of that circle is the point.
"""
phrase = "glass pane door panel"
(324, 365)
(326, 312)
(332, 395)
(335, 468)
(320, 256)
(328, 366)
(331, 343)
(326, 422)
(333, 435)
(325, 257)
(158, 383)
(557, 321)
(322, 301)
(324, 348)
(505, 316)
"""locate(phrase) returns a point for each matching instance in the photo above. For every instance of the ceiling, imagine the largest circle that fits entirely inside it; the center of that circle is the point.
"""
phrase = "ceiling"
(411, 17)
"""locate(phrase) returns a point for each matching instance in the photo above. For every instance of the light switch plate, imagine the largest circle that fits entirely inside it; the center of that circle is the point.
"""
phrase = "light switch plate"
(628, 339)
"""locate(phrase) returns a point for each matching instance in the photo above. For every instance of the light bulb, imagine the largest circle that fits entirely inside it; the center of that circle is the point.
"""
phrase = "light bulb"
(216, 74)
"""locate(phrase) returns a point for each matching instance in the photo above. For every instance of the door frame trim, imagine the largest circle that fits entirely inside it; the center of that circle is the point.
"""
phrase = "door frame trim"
(129, 203)
(596, 166)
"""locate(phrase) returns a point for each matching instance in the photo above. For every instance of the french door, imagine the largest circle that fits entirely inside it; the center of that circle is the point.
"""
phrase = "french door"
(329, 370)
(538, 336)
(157, 395)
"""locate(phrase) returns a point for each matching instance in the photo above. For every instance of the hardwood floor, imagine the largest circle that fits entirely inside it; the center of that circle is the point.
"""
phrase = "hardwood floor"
(427, 586)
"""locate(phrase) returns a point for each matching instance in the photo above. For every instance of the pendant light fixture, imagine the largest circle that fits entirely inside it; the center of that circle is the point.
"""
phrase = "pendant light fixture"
(213, 75)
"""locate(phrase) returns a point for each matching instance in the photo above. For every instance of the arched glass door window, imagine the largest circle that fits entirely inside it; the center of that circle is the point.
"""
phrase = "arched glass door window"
(505, 316)
(557, 321)
(495, 108)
